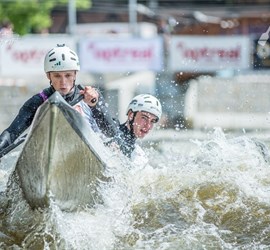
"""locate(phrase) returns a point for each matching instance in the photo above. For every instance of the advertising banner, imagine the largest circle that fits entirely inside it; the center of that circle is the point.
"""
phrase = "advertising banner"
(120, 54)
(25, 55)
(209, 53)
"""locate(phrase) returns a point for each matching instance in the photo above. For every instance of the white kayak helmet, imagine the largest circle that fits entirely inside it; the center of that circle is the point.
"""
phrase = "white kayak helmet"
(146, 103)
(61, 58)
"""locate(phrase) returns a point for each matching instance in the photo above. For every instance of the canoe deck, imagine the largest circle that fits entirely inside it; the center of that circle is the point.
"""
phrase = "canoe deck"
(58, 160)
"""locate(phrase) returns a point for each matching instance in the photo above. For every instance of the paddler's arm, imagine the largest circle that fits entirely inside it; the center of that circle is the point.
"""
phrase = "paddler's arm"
(21, 122)
(108, 126)
(100, 112)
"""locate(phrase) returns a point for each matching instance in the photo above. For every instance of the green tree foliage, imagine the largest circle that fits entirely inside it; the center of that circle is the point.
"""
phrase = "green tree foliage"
(33, 15)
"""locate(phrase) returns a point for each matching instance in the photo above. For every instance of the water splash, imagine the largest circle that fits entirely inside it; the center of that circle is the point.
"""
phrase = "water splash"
(201, 194)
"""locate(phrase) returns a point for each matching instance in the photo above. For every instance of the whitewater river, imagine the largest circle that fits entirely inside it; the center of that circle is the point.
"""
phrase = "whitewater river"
(209, 191)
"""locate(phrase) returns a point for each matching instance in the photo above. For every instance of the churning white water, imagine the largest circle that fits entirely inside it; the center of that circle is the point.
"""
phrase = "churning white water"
(210, 193)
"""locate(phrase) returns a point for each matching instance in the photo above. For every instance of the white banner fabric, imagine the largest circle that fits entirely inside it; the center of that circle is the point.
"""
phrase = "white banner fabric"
(209, 53)
(25, 55)
(121, 55)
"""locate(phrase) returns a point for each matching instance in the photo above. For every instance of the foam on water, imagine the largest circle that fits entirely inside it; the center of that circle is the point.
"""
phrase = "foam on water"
(215, 195)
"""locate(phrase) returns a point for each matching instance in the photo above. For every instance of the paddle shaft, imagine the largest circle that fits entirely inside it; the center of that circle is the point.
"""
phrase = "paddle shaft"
(102, 107)
(15, 144)
(80, 97)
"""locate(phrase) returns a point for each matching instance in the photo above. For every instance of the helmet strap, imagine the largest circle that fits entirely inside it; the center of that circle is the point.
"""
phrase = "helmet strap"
(52, 86)
(131, 123)
(49, 77)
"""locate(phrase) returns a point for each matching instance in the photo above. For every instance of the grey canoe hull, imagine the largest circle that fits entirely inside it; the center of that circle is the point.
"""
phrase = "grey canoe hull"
(58, 161)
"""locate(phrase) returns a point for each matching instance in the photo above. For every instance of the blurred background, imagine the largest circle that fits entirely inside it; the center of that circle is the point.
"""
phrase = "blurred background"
(207, 61)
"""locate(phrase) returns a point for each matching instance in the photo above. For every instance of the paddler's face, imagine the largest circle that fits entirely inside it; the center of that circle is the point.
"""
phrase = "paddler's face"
(143, 123)
(62, 81)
